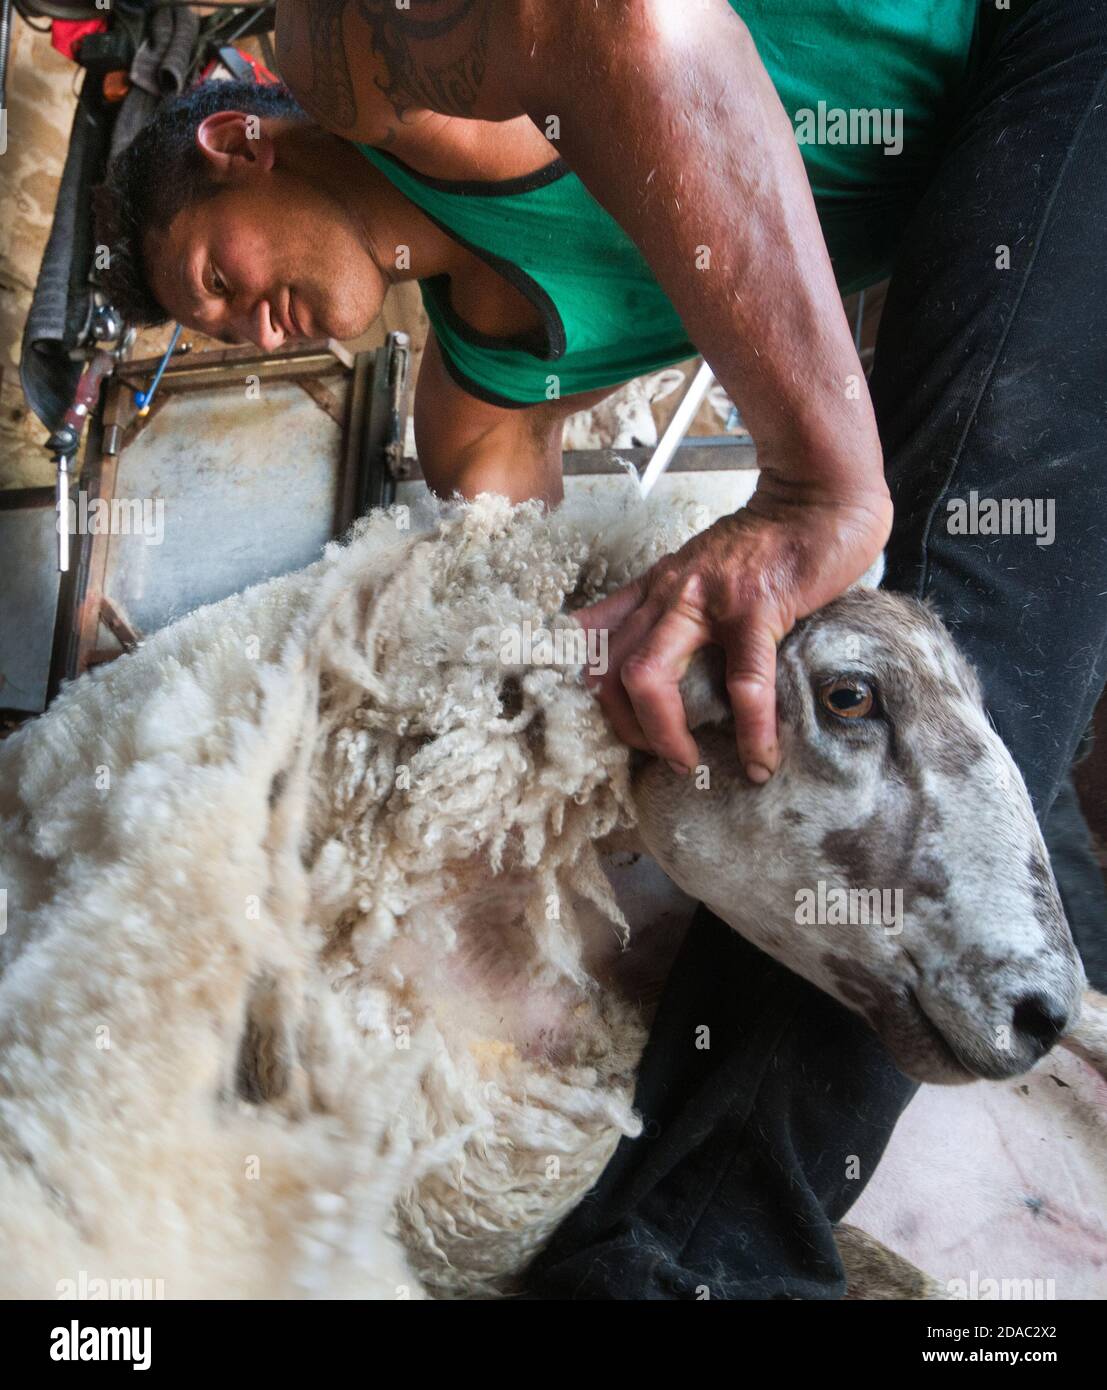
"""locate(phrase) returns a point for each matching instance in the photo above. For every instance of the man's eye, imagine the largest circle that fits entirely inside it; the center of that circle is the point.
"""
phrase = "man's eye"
(218, 284)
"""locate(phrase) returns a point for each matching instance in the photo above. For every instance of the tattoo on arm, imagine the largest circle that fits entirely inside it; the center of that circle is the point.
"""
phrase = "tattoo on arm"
(330, 98)
(434, 52)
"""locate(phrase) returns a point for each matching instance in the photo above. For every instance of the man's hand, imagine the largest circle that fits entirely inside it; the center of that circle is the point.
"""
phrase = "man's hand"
(743, 583)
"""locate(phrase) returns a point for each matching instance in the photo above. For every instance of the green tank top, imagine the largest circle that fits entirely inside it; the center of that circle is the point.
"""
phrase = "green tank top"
(604, 317)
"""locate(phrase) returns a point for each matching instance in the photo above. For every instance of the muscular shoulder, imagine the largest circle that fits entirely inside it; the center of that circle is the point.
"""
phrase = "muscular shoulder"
(368, 69)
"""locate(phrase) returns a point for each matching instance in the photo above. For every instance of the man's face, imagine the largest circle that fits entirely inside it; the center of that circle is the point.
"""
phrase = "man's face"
(268, 259)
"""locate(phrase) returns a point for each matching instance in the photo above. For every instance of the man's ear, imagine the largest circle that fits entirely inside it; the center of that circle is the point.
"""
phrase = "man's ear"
(229, 140)
(703, 688)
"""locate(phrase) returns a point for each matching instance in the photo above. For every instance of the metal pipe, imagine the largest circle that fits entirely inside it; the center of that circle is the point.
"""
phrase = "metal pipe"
(678, 425)
(5, 50)
(62, 501)
(66, 439)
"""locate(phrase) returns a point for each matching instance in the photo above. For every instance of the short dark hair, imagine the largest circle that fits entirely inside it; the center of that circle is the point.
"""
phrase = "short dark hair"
(160, 172)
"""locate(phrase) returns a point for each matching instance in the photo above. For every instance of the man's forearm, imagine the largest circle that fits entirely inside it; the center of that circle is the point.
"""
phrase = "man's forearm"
(668, 115)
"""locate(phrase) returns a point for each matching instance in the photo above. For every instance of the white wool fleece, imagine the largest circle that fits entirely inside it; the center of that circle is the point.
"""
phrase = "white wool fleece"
(239, 862)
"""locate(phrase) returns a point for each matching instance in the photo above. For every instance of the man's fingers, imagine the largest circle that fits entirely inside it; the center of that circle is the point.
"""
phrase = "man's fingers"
(648, 654)
(651, 677)
(610, 613)
(626, 622)
(751, 686)
(623, 640)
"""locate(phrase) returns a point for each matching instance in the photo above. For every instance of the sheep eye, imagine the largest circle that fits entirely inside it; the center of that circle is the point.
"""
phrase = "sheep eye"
(847, 698)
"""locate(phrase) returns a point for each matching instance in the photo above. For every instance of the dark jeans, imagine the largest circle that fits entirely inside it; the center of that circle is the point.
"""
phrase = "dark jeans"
(986, 379)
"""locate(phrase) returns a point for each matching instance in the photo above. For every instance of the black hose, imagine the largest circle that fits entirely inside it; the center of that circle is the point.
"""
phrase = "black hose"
(55, 9)
(38, 28)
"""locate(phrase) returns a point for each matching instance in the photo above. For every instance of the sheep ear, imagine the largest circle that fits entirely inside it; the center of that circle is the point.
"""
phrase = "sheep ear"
(703, 688)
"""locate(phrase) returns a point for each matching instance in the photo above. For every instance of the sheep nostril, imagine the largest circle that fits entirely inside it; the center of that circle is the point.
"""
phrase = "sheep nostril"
(1036, 1019)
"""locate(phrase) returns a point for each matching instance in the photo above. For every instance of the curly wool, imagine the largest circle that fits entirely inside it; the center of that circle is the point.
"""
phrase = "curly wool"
(271, 879)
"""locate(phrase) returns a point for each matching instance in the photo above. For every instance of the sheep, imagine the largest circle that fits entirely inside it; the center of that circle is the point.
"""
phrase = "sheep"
(311, 982)
(625, 419)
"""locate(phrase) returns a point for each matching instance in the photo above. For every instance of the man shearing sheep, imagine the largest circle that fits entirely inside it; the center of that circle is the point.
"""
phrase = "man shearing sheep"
(586, 192)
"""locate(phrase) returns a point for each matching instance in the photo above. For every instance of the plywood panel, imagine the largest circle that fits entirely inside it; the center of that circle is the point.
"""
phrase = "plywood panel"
(248, 489)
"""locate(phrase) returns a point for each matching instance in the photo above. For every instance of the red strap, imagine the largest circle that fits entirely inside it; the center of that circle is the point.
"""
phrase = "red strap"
(66, 34)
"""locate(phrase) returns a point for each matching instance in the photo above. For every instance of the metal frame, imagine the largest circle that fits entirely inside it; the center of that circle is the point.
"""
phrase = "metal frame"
(81, 600)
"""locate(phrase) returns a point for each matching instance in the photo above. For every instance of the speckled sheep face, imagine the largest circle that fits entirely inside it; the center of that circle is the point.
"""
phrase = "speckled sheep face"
(894, 860)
